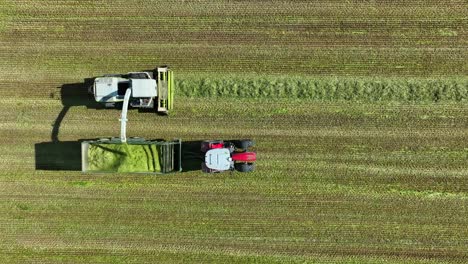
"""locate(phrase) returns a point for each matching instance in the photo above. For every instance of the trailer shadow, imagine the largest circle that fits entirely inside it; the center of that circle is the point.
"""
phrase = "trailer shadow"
(66, 155)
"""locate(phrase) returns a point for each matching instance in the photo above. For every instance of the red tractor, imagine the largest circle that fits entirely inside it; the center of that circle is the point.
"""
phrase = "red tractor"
(228, 156)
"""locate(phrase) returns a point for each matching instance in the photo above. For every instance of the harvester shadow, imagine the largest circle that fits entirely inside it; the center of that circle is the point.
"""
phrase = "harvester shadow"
(73, 94)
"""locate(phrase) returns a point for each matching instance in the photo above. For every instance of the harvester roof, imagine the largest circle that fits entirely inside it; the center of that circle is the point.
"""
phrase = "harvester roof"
(143, 88)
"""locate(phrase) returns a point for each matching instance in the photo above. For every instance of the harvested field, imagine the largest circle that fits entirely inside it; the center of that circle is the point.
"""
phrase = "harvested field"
(359, 111)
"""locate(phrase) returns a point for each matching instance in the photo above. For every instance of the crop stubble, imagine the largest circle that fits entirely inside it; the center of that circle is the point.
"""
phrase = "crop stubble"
(336, 181)
(332, 179)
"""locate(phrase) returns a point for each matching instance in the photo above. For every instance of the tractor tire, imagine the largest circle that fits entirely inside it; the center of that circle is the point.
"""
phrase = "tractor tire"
(244, 144)
(205, 145)
(204, 168)
(244, 167)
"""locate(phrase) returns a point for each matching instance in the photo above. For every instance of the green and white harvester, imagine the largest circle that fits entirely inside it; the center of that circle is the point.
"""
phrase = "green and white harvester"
(149, 89)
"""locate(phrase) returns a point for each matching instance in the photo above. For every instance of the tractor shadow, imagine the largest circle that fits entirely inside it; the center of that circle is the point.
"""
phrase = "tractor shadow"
(192, 157)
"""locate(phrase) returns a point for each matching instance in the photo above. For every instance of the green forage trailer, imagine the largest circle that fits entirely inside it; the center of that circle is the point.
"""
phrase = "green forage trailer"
(136, 155)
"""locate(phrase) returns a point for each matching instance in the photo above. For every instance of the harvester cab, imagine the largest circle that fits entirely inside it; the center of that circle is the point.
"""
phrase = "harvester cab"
(149, 89)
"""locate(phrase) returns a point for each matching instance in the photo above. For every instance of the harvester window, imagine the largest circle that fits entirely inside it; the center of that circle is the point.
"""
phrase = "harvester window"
(122, 87)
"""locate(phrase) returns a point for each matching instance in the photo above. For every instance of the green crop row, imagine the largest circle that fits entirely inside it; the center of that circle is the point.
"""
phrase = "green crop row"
(326, 89)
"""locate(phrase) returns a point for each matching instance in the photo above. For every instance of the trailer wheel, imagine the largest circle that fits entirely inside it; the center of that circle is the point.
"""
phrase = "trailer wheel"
(244, 167)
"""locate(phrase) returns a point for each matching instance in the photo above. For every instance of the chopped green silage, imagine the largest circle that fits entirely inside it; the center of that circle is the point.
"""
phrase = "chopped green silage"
(123, 158)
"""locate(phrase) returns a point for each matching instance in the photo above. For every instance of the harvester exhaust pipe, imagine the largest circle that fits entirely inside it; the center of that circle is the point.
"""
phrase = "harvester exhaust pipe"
(123, 119)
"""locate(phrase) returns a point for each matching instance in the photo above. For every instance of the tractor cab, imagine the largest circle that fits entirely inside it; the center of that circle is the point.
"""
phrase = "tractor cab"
(219, 159)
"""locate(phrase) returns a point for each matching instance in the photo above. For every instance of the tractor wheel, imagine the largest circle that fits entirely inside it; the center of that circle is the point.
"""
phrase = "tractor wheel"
(244, 144)
(244, 167)
(205, 169)
(205, 146)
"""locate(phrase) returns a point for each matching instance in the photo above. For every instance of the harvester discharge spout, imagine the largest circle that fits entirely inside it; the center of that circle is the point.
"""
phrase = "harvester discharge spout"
(123, 118)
